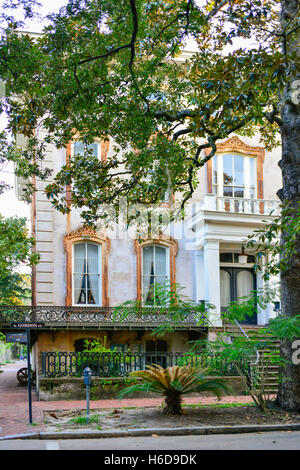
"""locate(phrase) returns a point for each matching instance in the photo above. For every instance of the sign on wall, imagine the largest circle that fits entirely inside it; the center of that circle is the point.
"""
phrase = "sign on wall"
(27, 325)
(20, 337)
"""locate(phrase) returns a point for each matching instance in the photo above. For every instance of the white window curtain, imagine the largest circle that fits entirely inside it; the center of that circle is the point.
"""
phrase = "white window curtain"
(224, 288)
(87, 274)
(79, 273)
(155, 270)
(93, 274)
(245, 285)
(148, 271)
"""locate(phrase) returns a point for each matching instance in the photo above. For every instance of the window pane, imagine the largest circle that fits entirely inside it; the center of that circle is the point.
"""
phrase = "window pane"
(92, 258)
(252, 178)
(238, 192)
(227, 169)
(227, 191)
(148, 256)
(148, 272)
(236, 257)
(226, 257)
(215, 169)
(79, 257)
(160, 261)
(79, 148)
(238, 170)
(79, 288)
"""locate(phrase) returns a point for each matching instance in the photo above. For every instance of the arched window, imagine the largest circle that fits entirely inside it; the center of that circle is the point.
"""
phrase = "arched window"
(87, 273)
(234, 175)
(155, 270)
(86, 268)
(155, 265)
(236, 171)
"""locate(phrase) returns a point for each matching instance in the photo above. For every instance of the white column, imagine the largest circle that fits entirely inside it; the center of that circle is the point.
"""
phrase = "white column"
(261, 314)
(212, 278)
(199, 293)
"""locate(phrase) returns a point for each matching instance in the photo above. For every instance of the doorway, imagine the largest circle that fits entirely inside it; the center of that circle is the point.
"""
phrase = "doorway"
(234, 284)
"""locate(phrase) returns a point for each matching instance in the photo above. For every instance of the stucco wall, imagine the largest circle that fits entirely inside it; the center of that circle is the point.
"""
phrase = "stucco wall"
(52, 226)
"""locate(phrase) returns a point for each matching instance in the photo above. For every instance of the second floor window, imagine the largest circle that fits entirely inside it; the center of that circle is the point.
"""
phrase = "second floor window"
(87, 274)
(155, 270)
(234, 175)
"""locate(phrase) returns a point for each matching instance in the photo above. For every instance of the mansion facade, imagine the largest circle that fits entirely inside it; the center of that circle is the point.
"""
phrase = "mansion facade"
(88, 272)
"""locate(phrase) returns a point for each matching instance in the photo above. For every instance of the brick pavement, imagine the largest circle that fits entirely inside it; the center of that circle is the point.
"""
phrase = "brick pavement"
(14, 415)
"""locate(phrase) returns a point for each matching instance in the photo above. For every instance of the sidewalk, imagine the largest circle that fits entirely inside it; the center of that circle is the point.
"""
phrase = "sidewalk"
(14, 415)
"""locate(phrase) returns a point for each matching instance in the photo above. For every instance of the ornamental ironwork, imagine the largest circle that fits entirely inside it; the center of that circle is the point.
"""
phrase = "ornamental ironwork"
(120, 364)
(63, 317)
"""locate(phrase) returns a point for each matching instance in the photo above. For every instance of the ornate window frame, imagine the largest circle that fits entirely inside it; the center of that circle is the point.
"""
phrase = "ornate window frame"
(86, 234)
(235, 144)
(166, 242)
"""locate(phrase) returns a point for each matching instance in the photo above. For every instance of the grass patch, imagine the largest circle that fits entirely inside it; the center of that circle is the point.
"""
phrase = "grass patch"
(81, 420)
(219, 405)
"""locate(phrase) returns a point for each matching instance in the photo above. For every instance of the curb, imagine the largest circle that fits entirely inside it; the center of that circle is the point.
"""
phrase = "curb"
(158, 431)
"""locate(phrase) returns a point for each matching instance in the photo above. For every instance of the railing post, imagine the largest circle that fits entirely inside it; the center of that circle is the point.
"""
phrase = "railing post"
(43, 361)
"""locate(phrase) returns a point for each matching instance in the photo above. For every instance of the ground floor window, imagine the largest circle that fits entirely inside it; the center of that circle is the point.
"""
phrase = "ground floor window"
(155, 350)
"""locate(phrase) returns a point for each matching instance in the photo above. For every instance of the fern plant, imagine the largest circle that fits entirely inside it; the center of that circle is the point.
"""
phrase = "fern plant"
(173, 383)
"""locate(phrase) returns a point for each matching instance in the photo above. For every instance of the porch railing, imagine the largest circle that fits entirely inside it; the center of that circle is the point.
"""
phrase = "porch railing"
(241, 205)
(119, 364)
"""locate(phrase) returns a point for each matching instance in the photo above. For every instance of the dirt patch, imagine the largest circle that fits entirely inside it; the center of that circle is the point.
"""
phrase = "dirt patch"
(135, 418)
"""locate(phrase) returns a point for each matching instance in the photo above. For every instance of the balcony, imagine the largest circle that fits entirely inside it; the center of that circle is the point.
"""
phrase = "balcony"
(61, 317)
(212, 202)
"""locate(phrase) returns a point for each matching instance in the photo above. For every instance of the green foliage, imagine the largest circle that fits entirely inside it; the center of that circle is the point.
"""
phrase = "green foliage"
(15, 251)
(112, 69)
(92, 357)
(172, 306)
(276, 241)
(96, 346)
(82, 421)
(173, 383)
(284, 327)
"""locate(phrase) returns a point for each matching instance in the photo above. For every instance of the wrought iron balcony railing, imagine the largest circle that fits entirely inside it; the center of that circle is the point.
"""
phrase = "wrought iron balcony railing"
(109, 317)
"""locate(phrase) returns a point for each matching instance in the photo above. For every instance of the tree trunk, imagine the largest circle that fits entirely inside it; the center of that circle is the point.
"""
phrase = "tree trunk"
(288, 396)
(173, 404)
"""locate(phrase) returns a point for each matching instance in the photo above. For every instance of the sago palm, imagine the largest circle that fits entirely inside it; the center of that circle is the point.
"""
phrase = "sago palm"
(173, 383)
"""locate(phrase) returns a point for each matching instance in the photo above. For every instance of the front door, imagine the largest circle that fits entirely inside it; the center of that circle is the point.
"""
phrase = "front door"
(236, 283)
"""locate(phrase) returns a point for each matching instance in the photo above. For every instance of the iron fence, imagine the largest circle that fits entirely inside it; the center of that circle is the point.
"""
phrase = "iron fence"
(119, 364)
